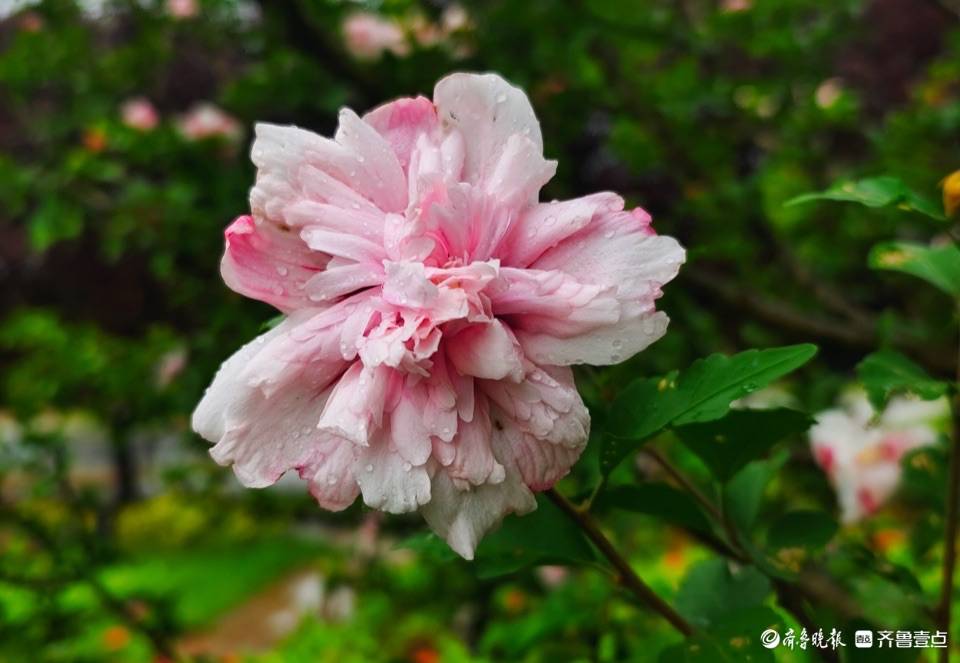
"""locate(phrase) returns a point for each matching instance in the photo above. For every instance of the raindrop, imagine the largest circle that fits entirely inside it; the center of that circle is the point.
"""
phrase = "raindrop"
(281, 270)
(550, 220)
(407, 467)
(501, 98)
(369, 468)
(278, 290)
(617, 343)
(331, 480)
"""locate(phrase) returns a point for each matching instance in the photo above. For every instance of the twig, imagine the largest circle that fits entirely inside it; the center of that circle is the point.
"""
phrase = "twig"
(628, 576)
(791, 597)
(950, 534)
(806, 325)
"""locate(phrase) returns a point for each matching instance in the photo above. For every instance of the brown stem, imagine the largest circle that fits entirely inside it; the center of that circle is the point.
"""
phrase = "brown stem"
(950, 534)
(628, 576)
(791, 597)
(805, 325)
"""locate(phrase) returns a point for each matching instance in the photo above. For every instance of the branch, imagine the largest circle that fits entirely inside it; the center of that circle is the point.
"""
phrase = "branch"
(628, 576)
(950, 534)
(810, 325)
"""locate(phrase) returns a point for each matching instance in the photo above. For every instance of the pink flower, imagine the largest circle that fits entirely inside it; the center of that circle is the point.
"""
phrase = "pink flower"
(182, 8)
(434, 310)
(139, 114)
(368, 35)
(207, 121)
(861, 451)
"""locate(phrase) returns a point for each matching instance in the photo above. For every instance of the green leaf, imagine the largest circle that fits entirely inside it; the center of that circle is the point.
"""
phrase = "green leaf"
(887, 372)
(659, 500)
(735, 639)
(430, 546)
(880, 191)
(714, 588)
(727, 445)
(744, 492)
(272, 322)
(703, 392)
(546, 536)
(937, 265)
(810, 530)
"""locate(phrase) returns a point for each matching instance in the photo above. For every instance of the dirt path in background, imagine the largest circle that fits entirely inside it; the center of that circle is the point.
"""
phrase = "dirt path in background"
(261, 621)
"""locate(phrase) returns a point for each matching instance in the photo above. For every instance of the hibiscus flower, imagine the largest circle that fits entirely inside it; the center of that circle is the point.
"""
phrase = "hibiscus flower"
(434, 308)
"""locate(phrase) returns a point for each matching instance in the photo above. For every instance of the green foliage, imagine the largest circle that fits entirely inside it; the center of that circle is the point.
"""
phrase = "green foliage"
(937, 265)
(547, 536)
(703, 392)
(883, 191)
(661, 501)
(888, 372)
(716, 117)
(714, 590)
(727, 444)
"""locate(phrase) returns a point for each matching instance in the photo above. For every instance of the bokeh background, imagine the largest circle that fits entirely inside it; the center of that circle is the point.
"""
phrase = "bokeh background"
(124, 135)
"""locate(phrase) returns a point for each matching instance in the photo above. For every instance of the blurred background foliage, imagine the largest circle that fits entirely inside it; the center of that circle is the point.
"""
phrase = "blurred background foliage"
(124, 131)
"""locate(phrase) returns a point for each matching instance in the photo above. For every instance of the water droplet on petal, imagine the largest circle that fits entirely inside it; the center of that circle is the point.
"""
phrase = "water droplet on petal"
(407, 467)
(501, 98)
(281, 270)
(369, 468)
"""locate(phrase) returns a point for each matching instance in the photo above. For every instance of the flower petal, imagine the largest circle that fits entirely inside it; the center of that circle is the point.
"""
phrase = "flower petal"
(487, 111)
(261, 436)
(387, 481)
(402, 122)
(264, 262)
(486, 350)
(462, 516)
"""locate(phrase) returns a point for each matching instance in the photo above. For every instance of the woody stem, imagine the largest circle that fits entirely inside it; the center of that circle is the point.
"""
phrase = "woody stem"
(628, 577)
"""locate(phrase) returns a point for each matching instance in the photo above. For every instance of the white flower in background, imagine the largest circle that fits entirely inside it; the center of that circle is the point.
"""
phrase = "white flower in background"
(861, 453)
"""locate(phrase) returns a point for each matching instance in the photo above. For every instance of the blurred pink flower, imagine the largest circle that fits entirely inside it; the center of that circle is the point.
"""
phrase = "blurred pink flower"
(170, 365)
(861, 452)
(182, 8)
(205, 120)
(434, 309)
(138, 113)
(368, 36)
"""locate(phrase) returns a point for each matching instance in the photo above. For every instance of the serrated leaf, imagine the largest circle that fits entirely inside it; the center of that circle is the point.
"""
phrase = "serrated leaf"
(703, 392)
(658, 500)
(728, 444)
(888, 372)
(546, 536)
(937, 265)
(882, 191)
(715, 588)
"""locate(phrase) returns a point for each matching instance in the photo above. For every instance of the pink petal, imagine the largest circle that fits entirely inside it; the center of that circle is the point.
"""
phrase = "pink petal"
(486, 110)
(355, 408)
(376, 160)
(463, 516)
(486, 350)
(546, 405)
(262, 437)
(402, 122)
(387, 481)
(330, 474)
(263, 262)
(546, 225)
